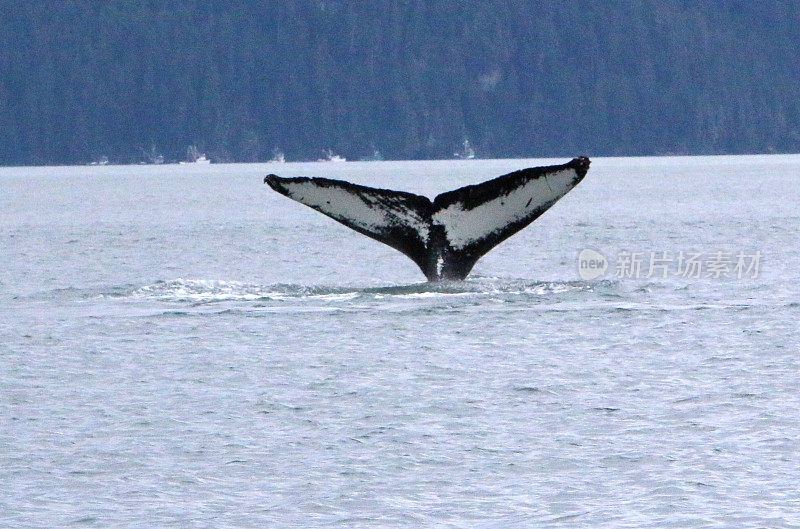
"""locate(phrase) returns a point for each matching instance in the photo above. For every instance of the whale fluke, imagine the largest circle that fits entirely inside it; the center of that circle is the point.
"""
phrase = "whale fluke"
(447, 236)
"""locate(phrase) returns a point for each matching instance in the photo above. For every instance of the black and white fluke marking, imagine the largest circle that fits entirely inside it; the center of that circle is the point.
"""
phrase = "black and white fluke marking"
(447, 236)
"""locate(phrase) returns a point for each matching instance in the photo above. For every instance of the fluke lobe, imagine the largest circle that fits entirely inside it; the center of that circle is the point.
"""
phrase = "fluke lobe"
(447, 236)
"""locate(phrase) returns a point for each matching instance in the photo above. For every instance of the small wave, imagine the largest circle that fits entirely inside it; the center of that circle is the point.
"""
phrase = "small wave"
(208, 290)
(198, 290)
(212, 290)
(483, 286)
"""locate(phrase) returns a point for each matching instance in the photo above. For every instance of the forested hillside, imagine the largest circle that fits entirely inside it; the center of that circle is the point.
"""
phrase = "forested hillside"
(80, 79)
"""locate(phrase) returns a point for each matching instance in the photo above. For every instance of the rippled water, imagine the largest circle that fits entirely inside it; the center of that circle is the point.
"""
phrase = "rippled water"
(182, 347)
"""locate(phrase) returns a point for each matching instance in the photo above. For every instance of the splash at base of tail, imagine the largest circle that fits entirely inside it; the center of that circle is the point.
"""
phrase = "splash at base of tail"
(444, 237)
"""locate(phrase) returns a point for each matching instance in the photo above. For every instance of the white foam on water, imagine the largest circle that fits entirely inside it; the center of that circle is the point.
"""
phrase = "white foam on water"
(217, 290)
(200, 290)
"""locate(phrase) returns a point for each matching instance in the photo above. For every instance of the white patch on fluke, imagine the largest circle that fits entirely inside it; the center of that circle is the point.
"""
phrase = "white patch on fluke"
(464, 227)
(368, 212)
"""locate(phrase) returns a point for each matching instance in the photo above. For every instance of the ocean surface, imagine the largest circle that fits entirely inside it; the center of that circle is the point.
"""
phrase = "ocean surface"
(180, 346)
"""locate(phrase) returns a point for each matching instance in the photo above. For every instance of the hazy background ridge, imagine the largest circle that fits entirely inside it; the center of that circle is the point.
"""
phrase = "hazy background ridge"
(83, 79)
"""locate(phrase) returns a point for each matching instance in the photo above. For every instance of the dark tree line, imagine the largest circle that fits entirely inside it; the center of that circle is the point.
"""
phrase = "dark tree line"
(409, 78)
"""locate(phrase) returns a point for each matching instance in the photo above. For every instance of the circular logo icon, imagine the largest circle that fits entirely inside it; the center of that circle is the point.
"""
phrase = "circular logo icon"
(591, 264)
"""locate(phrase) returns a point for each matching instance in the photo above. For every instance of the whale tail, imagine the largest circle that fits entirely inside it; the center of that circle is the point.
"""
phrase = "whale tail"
(447, 236)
